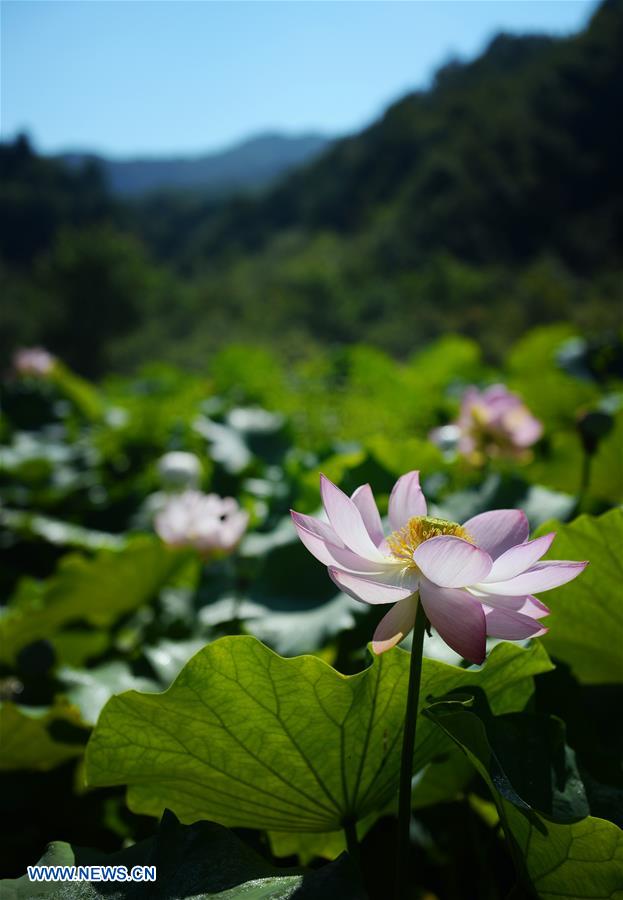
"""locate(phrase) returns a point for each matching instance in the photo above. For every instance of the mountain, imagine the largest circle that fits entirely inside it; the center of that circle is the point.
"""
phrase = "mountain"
(505, 158)
(253, 163)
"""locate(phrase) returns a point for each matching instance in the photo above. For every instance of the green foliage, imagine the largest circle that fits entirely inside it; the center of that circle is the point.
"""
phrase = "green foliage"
(97, 591)
(200, 861)
(288, 745)
(37, 194)
(586, 631)
(558, 850)
(40, 738)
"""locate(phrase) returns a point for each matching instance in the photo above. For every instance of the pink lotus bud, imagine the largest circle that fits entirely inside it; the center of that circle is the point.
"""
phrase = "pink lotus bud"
(35, 361)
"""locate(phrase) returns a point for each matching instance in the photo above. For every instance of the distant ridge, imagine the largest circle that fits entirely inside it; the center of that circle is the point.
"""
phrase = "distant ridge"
(253, 163)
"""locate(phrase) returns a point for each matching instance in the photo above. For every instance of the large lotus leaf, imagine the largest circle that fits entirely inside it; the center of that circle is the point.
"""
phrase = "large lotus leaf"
(308, 845)
(314, 845)
(200, 861)
(558, 853)
(96, 590)
(250, 739)
(586, 626)
(40, 738)
(576, 861)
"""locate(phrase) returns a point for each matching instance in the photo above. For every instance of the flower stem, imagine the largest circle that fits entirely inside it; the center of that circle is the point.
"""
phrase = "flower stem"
(406, 766)
(352, 844)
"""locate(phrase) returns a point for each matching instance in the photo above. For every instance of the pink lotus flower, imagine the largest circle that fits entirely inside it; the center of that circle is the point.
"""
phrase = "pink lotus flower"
(474, 580)
(213, 525)
(493, 422)
(33, 361)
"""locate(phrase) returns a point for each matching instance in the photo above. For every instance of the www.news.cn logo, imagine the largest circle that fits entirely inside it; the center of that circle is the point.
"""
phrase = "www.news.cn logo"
(91, 873)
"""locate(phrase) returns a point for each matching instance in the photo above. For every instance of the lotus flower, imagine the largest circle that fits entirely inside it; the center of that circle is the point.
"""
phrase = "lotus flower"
(179, 469)
(473, 580)
(493, 422)
(33, 361)
(213, 525)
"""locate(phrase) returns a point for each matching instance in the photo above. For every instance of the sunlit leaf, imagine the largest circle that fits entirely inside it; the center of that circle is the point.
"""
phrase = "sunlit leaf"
(96, 590)
(40, 738)
(248, 738)
(586, 626)
(314, 845)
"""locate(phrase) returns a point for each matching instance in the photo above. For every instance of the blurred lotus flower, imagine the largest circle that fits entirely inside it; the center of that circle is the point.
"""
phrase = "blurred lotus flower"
(179, 470)
(213, 525)
(474, 580)
(33, 361)
(493, 422)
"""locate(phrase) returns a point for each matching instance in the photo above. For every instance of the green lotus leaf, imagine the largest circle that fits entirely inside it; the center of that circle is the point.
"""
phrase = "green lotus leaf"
(248, 738)
(559, 851)
(586, 627)
(40, 738)
(97, 590)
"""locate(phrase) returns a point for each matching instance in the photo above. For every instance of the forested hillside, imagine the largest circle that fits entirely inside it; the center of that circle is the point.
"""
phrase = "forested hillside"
(484, 205)
(505, 158)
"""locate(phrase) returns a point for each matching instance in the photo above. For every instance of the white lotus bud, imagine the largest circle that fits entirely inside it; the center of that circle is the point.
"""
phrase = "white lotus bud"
(179, 470)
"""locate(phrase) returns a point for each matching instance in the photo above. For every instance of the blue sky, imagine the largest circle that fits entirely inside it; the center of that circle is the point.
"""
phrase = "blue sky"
(177, 76)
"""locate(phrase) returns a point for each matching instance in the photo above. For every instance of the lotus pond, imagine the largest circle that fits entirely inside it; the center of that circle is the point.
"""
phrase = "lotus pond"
(406, 688)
